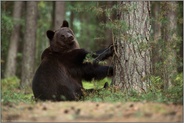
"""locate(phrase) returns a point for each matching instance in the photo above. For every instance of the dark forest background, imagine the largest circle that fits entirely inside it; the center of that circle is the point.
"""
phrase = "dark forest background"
(148, 38)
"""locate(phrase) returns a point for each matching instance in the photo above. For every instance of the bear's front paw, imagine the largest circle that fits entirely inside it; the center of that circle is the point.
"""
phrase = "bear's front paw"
(110, 71)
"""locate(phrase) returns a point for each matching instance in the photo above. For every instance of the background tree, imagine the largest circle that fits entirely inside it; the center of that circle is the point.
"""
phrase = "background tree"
(13, 46)
(6, 27)
(169, 36)
(156, 59)
(29, 45)
(59, 13)
(132, 55)
(180, 34)
(104, 18)
(164, 42)
(44, 23)
(72, 15)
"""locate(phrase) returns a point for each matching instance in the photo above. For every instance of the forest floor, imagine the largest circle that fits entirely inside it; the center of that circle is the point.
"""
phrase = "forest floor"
(91, 112)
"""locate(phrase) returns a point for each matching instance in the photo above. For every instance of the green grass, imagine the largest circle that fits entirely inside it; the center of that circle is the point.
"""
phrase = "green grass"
(11, 93)
(154, 94)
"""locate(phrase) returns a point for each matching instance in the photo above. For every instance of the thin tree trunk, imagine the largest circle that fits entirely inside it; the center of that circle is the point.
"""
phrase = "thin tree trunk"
(59, 13)
(180, 34)
(156, 59)
(132, 54)
(72, 16)
(29, 45)
(169, 34)
(12, 51)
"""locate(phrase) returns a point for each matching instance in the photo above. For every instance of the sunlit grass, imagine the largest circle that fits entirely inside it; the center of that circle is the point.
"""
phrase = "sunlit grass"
(96, 84)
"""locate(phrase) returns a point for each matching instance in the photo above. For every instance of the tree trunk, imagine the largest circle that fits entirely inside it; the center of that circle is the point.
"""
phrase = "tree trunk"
(29, 45)
(72, 15)
(132, 54)
(156, 59)
(12, 51)
(169, 34)
(180, 34)
(59, 14)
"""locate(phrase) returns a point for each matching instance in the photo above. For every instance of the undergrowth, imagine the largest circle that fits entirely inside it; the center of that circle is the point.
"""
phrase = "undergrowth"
(10, 92)
(174, 94)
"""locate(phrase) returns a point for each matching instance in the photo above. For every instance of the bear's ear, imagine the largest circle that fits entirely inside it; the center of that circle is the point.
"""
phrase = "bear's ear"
(50, 34)
(65, 24)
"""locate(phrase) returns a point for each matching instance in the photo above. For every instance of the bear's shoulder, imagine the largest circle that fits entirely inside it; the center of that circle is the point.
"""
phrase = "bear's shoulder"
(46, 53)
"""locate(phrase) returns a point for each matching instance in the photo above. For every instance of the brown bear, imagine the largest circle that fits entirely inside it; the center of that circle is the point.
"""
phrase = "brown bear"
(63, 67)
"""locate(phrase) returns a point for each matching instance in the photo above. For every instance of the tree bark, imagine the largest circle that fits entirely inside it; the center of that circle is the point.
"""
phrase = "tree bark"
(132, 54)
(13, 47)
(59, 14)
(29, 45)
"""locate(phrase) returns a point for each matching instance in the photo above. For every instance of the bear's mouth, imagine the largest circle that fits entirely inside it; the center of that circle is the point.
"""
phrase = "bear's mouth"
(71, 42)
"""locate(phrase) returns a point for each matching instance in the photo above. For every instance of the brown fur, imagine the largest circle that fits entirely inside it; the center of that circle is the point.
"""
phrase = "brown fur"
(62, 69)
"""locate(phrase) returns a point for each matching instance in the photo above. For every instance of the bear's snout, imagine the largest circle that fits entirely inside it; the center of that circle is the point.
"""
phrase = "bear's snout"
(70, 38)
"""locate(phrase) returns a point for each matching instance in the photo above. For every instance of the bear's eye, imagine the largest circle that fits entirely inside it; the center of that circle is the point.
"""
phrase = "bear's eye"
(69, 31)
(62, 37)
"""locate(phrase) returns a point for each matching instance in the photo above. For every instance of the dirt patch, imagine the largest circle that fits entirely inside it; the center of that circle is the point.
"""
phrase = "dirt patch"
(92, 111)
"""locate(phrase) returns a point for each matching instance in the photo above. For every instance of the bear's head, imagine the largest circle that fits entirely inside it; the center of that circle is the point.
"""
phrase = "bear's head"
(63, 39)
